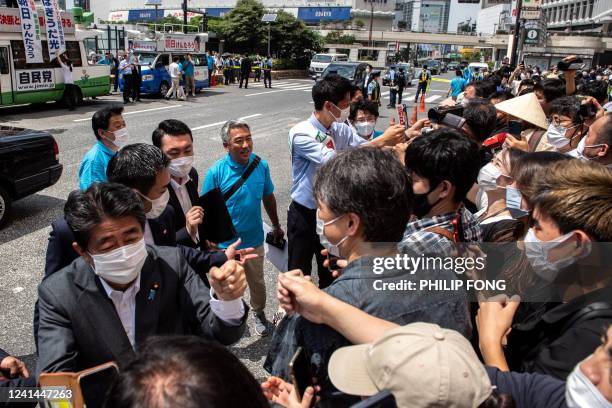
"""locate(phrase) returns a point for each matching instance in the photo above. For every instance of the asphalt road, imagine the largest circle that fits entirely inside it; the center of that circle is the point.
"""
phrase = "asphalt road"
(270, 112)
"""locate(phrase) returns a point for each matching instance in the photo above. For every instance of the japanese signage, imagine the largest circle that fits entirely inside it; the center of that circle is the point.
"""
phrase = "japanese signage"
(11, 22)
(180, 43)
(35, 79)
(56, 41)
(530, 9)
(144, 46)
(30, 31)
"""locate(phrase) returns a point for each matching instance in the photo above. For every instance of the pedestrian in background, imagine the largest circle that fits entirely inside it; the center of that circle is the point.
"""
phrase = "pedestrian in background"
(189, 71)
(267, 70)
(125, 71)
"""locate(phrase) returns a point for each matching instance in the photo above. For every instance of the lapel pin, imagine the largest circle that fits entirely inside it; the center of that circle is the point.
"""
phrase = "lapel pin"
(153, 291)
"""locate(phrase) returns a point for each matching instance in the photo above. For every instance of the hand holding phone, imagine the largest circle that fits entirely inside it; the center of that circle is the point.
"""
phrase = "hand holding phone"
(299, 370)
(515, 127)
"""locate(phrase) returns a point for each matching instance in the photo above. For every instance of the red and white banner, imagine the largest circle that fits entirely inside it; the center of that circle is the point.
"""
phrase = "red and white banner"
(180, 43)
(10, 22)
(30, 31)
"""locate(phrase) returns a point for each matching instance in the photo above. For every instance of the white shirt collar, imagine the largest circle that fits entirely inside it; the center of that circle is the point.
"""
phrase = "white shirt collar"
(176, 185)
(131, 291)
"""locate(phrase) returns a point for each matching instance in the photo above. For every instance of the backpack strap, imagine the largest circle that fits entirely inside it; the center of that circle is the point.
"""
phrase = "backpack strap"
(535, 138)
(592, 311)
(443, 232)
(243, 177)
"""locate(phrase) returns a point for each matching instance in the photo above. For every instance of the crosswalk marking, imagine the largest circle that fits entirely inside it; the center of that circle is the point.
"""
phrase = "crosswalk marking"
(433, 98)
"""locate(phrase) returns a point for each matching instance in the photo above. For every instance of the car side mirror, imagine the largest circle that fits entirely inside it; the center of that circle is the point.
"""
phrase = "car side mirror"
(159, 65)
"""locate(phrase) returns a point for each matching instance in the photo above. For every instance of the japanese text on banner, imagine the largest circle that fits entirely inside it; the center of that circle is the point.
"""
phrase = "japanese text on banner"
(30, 31)
(55, 30)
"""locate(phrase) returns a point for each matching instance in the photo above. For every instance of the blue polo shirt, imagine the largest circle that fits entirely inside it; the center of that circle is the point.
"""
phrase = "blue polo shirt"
(457, 85)
(94, 164)
(245, 204)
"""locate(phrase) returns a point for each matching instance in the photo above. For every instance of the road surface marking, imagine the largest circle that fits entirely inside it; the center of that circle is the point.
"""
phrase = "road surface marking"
(223, 122)
(278, 90)
(433, 98)
(134, 112)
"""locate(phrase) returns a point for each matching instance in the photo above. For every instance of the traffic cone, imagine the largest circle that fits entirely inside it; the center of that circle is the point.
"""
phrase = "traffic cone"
(422, 106)
(415, 116)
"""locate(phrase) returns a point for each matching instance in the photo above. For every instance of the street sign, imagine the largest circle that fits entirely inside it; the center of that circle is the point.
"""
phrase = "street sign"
(531, 13)
(532, 36)
(269, 18)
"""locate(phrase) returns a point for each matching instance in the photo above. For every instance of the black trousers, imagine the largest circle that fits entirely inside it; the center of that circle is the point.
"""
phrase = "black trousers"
(304, 243)
(421, 88)
(244, 76)
(400, 91)
(136, 80)
(127, 87)
(267, 78)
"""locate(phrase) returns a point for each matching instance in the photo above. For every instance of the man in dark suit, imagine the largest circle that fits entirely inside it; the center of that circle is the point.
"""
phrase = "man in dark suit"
(245, 70)
(121, 291)
(174, 138)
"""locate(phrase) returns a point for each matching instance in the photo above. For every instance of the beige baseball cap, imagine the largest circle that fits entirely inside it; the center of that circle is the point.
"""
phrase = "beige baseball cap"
(422, 364)
(525, 107)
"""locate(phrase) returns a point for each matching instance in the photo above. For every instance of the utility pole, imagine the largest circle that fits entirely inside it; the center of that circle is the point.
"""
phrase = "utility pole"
(185, 16)
(517, 30)
(371, 22)
(268, 38)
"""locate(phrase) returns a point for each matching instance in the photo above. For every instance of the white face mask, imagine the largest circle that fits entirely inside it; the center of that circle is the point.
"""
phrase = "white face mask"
(344, 114)
(487, 177)
(122, 265)
(580, 392)
(514, 199)
(579, 152)
(157, 206)
(538, 251)
(334, 249)
(181, 167)
(121, 138)
(556, 136)
(365, 129)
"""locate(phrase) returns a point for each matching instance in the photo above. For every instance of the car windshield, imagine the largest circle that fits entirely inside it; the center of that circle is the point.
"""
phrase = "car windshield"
(147, 58)
(322, 58)
(346, 71)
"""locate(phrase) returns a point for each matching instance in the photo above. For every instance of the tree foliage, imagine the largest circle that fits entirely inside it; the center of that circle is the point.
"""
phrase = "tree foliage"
(336, 37)
(244, 32)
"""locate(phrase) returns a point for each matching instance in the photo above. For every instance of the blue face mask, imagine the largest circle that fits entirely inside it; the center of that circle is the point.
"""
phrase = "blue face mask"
(513, 202)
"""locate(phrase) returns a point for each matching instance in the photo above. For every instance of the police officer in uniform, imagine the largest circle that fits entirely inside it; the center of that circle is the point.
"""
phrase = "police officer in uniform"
(267, 69)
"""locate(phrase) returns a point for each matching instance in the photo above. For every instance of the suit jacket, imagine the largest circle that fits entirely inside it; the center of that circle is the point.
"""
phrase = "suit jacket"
(80, 328)
(60, 252)
(16, 382)
(182, 236)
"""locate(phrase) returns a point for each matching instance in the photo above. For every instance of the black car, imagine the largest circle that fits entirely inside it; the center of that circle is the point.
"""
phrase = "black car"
(353, 71)
(29, 162)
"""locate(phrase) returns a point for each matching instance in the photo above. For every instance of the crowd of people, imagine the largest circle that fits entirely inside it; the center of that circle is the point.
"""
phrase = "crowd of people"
(520, 176)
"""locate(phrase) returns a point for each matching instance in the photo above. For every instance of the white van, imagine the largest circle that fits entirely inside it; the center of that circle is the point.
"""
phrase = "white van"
(320, 61)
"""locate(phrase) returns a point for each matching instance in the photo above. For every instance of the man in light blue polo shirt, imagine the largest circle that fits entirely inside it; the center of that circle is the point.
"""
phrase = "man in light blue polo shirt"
(245, 206)
(111, 134)
(312, 143)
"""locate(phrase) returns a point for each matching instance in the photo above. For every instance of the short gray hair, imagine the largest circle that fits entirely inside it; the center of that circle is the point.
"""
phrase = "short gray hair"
(232, 124)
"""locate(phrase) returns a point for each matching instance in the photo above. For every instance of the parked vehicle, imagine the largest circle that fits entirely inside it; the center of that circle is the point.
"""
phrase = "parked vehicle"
(319, 62)
(155, 58)
(434, 66)
(353, 71)
(408, 72)
(452, 66)
(29, 162)
(22, 82)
